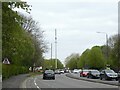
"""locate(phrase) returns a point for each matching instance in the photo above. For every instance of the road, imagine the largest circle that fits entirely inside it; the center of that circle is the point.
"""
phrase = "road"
(61, 81)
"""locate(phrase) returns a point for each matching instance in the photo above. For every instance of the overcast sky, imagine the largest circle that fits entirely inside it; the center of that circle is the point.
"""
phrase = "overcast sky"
(77, 22)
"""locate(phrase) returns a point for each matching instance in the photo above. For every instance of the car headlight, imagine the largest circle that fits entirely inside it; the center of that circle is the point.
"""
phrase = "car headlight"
(109, 75)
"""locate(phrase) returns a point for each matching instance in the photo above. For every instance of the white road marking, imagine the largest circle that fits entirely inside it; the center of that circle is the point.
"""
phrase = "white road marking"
(45, 83)
(36, 83)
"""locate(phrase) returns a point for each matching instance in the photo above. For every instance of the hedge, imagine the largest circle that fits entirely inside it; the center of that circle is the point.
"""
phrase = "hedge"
(12, 70)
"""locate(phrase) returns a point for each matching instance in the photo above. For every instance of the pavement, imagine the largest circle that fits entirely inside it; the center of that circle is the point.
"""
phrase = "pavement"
(15, 81)
(77, 76)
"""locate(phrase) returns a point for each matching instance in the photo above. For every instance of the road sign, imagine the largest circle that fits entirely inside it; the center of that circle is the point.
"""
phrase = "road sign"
(6, 61)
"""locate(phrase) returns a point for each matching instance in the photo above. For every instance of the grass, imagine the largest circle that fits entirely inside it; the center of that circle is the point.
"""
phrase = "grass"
(32, 74)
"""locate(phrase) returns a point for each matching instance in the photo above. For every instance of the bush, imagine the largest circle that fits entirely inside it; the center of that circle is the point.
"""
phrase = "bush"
(12, 70)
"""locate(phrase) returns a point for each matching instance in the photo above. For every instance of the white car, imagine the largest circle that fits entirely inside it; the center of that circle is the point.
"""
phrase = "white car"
(77, 71)
(62, 71)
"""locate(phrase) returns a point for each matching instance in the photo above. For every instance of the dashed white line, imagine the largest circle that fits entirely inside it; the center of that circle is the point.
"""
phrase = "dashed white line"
(36, 83)
(37, 87)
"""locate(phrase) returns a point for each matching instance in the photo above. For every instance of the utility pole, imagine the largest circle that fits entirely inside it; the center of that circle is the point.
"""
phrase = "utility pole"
(51, 51)
(55, 49)
(51, 55)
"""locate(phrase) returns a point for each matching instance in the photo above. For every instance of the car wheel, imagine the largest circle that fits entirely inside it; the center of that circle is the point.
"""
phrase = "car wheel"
(116, 79)
(90, 76)
(105, 78)
(87, 76)
(101, 78)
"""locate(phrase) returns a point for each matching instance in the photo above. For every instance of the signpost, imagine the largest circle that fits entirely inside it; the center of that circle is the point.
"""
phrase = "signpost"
(6, 61)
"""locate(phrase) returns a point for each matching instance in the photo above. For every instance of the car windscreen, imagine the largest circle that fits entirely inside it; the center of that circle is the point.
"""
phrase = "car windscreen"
(85, 70)
(49, 71)
(95, 71)
(109, 71)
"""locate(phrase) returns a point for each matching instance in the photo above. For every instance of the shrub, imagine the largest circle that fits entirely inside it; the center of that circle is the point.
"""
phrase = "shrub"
(12, 70)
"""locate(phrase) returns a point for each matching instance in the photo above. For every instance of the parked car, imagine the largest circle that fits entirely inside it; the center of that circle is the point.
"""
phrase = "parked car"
(62, 71)
(48, 74)
(119, 76)
(76, 71)
(93, 74)
(108, 74)
(66, 71)
(57, 72)
(84, 73)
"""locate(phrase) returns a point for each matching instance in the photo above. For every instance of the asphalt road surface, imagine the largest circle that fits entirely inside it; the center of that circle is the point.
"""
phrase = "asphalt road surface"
(61, 81)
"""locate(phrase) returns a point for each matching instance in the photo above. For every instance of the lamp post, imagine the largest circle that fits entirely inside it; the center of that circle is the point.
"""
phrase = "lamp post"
(106, 43)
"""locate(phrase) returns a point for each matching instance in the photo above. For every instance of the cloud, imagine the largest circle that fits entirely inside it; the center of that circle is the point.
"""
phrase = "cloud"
(71, 1)
(76, 21)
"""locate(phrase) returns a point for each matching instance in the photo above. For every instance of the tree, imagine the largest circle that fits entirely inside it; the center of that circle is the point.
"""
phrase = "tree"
(106, 50)
(17, 45)
(114, 42)
(32, 28)
(82, 63)
(15, 41)
(96, 58)
(72, 61)
(50, 64)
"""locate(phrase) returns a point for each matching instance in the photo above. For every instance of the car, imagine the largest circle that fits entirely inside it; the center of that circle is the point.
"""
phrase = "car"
(48, 74)
(57, 72)
(66, 71)
(62, 71)
(108, 74)
(84, 73)
(75, 71)
(119, 76)
(93, 74)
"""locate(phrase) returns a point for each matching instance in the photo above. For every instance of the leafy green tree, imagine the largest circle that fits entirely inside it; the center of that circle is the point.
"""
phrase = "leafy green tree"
(21, 47)
(15, 41)
(96, 58)
(82, 63)
(72, 61)
(114, 42)
(33, 29)
(106, 50)
(50, 64)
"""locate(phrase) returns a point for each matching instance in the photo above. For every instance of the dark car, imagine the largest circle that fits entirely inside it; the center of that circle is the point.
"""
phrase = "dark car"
(93, 74)
(119, 76)
(48, 74)
(108, 75)
(66, 71)
(84, 73)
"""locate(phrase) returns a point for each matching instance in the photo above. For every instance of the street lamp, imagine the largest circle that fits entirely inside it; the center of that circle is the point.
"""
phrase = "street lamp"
(106, 42)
